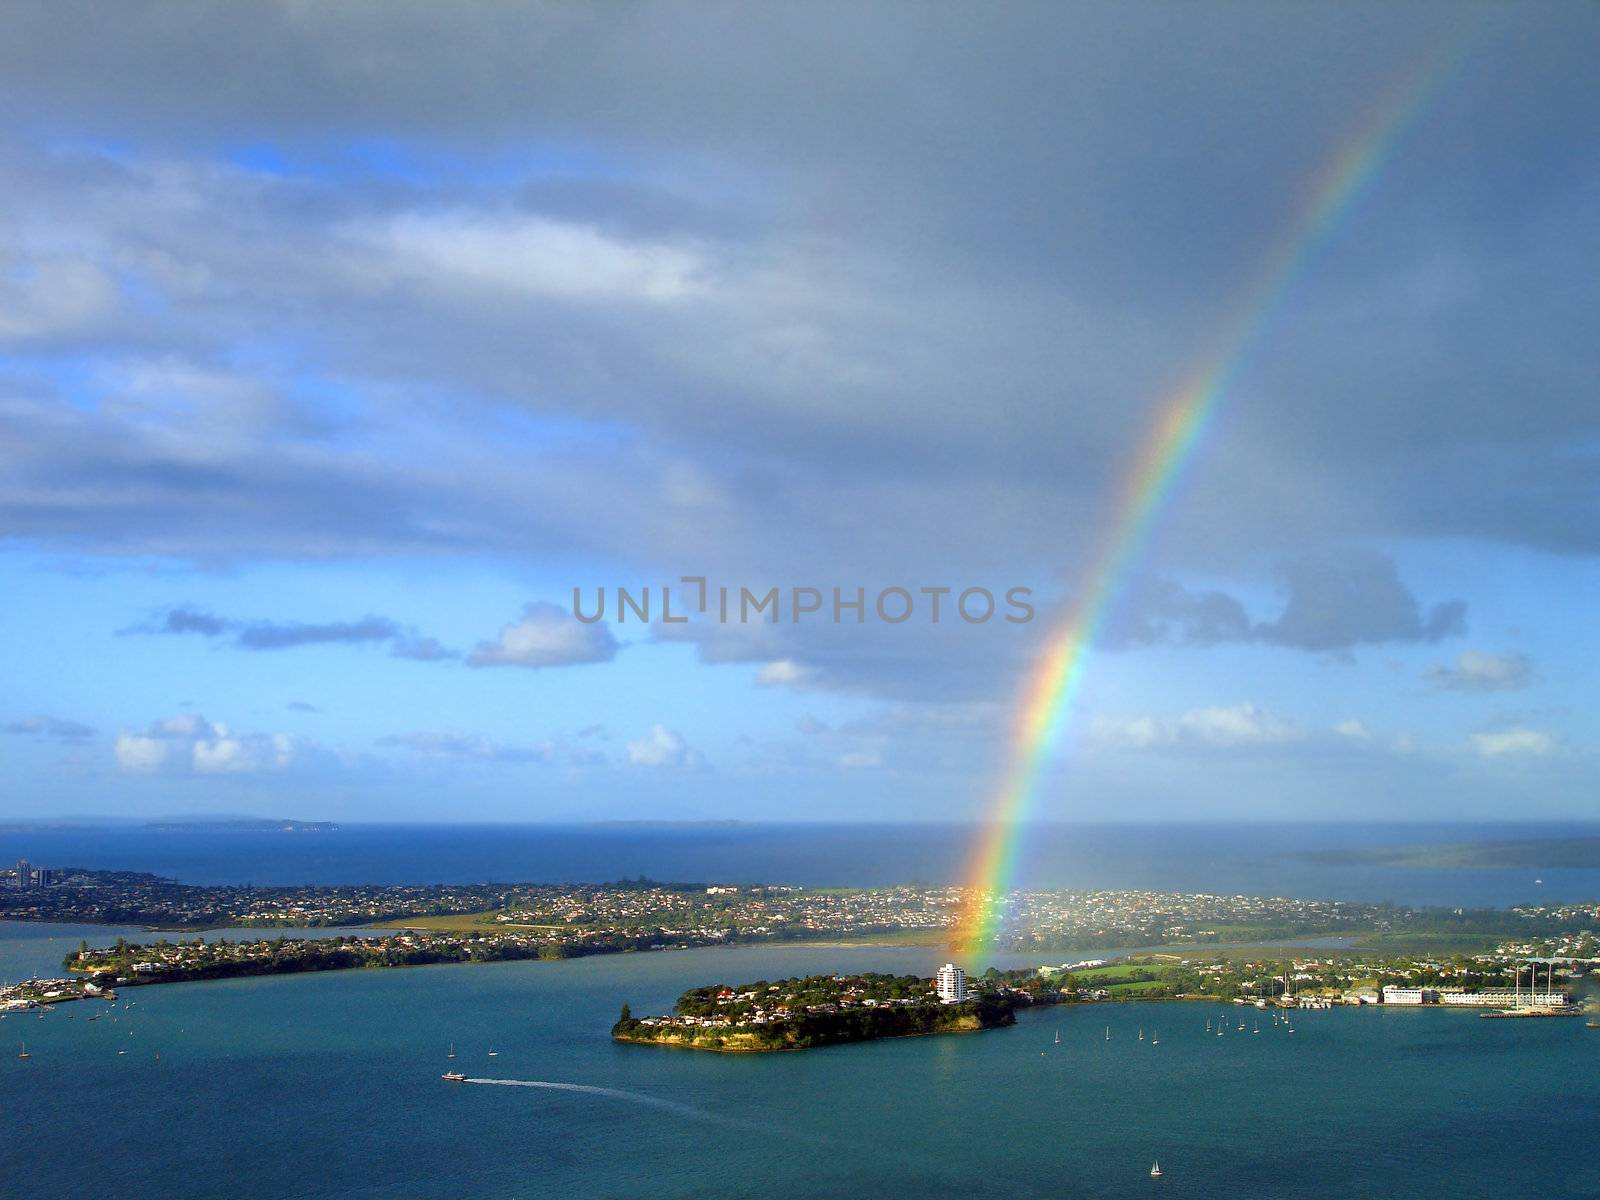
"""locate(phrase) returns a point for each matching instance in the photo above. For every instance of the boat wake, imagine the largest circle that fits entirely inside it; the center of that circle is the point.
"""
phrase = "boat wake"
(589, 1089)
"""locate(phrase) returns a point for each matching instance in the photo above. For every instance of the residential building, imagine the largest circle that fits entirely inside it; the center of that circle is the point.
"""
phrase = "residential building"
(952, 984)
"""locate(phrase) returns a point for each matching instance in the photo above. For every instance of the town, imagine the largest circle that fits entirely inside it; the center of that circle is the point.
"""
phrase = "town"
(580, 918)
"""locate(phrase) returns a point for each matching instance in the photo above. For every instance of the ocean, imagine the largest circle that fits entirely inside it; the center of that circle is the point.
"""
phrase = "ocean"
(312, 1087)
(1231, 858)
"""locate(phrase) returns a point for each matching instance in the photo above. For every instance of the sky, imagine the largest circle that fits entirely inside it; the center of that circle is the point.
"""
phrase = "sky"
(339, 345)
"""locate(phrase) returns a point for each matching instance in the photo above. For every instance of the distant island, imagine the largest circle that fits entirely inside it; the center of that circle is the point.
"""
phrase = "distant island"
(1576, 853)
(199, 823)
(239, 825)
(828, 1010)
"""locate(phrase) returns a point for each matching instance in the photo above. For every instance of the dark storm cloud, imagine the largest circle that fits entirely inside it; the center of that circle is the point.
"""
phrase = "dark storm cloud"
(807, 293)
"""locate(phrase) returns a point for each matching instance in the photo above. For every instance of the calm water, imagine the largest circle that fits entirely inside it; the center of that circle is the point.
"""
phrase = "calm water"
(1232, 858)
(329, 1087)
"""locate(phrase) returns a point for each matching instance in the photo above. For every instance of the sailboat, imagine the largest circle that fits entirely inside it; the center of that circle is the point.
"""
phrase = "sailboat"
(1058, 1037)
(1155, 1170)
(1141, 1035)
(1208, 1024)
(1108, 1033)
(452, 1053)
(1155, 1038)
(23, 1053)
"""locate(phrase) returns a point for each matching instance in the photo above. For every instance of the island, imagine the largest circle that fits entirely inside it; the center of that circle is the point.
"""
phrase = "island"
(827, 1010)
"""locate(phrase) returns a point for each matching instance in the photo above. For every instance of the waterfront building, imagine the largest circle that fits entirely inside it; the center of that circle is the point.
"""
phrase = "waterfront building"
(1504, 998)
(24, 873)
(1409, 995)
(952, 984)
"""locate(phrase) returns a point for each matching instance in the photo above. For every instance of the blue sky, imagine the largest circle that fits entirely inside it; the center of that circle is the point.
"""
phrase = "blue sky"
(335, 351)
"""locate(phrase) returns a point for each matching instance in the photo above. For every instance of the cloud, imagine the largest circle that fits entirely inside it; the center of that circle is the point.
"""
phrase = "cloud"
(267, 635)
(538, 256)
(189, 744)
(1514, 742)
(1335, 600)
(421, 649)
(1239, 726)
(51, 727)
(471, 747)
(663, 748)
(546, 636)
(188, 620)
(1481, 671)
(302, 706)
(139, 753)
(785, 672)
(285, 635)
(1352, 597)
(56, 297)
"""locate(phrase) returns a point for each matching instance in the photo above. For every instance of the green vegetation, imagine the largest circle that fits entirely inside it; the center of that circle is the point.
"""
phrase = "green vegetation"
(825, 1010)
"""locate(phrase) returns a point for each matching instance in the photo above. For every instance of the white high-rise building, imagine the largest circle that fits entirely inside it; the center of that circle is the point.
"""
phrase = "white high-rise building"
(952, 984)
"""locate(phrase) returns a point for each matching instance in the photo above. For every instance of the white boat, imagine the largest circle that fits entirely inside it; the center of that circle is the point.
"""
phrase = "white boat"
(1108, 1033)
(23, 1053)
(1058, 1037)
(1141, 1035)
(1155, 1170)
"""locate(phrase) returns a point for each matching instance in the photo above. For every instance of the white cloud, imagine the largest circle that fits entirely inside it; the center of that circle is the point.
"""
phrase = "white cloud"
(784, 672)
(140, 754)
(184, 725)
(55, 297)
(538, 256)
(546, 636)
(1353, 729)
(858, 759)
(663, 748)
(1481, 671)
(1516, 741)
(463, 747)
(188, 742)
(1229, 727)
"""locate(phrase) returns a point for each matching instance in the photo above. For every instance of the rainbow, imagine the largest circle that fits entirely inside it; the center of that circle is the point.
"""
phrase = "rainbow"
(1167, 448)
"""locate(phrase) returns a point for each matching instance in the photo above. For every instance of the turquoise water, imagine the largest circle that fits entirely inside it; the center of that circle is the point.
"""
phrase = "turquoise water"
(324, 1086)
